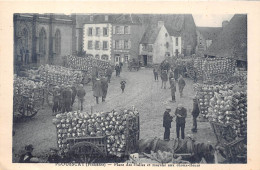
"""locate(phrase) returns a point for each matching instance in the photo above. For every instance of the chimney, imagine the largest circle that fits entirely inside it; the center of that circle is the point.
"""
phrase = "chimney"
(160, 23)
(224, 23)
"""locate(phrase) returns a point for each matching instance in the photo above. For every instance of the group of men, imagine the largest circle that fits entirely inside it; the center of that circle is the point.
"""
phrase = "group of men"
(100, 87)
(181, 114)
(64, 97)
(173, 78)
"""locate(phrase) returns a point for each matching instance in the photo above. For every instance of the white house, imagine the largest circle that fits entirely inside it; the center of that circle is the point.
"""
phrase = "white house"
(97, 40)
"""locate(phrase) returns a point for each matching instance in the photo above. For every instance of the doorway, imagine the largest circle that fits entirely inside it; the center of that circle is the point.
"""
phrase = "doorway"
(145, 60)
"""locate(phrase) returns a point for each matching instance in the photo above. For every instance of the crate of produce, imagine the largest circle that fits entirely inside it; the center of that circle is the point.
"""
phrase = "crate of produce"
(236, 151)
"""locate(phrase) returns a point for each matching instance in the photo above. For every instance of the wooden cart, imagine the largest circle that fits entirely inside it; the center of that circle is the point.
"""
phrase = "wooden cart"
(94, 149)
(233, 147)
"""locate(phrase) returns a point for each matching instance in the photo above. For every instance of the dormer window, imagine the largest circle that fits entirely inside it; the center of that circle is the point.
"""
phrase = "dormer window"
(106, 17)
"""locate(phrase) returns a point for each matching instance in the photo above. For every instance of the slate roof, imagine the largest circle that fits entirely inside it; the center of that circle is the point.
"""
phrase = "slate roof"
(150, 34)
(232, 41)
(210, 33)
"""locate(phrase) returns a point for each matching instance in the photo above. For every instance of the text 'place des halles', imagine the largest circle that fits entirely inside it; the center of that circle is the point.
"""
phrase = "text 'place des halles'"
(130, 88)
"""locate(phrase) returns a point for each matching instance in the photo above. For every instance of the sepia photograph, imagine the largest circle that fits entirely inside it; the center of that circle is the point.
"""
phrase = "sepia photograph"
(129, 88)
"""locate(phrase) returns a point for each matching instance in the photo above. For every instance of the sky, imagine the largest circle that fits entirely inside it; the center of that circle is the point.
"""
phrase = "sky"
(205, 20)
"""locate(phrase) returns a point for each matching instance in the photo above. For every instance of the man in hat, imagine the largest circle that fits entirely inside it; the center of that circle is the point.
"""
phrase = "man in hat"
(97, 91)
(53, 157)
(67, 95)
(109, 73)
(117, 68)
(164, 78)
(167, 120)
(28, 157)
(173, 89)
(56, 96)
(181, 84)
(195, 113)
(81, 94)
(104, 86)
(181, 114)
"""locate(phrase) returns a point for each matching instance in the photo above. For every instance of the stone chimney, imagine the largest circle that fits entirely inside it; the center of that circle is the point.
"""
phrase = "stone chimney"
(224, 23)
(160, 23)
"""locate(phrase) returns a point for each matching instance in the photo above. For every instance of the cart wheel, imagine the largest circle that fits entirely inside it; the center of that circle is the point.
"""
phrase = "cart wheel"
(219, 79)
(86, 152)
(28, 112)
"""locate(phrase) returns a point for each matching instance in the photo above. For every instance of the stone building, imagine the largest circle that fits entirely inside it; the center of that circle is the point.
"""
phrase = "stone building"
(155, 44)
(43, 38)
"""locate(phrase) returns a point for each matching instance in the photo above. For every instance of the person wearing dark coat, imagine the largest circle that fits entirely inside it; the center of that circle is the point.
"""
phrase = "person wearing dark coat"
(54, 157)
(167, 120)
(181, 84)
(176, 74)
(109, 74)
(28, 157)
(164, 78)
(74, 93)
(123, 82)
(104, 86)
(120, 66)
(170, 77)
(195, 113)
(56, 99)
(67, 95)
(117, 68)
(155, 73)
(81, 94)
(97, 91)
(181, 114)
(173, 89)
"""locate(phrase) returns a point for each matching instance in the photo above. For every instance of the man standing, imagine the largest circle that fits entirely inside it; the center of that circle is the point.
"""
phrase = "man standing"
(176, 73)
(164, 78)
(56, 96)
(117, 68)
(104, 86)
(74, 93)
(67, 95)
(181, 84)
(109, 73)
(81, 94)
(195, 113)
(170, 77)
(155, 73)
(173, 89)
(120, 65)
(181, 114)
(167, 120)
(97, 91)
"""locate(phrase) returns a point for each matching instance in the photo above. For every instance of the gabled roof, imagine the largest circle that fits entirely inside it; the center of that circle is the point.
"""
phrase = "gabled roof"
(210, 33)
(150, 34)
(232, 41)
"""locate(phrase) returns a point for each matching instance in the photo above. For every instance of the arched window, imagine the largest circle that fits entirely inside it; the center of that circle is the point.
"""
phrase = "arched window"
(57, 42)
(42, 42)
(97, 56)
(104, 57)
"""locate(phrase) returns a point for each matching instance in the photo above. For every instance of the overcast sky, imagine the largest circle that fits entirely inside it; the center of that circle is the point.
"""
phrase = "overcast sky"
(211, 20)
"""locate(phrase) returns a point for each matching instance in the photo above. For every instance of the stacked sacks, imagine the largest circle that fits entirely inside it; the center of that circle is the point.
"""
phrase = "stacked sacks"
(112, 124)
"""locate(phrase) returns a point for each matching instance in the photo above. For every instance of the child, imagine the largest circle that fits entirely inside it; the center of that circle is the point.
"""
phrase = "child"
(123, 82)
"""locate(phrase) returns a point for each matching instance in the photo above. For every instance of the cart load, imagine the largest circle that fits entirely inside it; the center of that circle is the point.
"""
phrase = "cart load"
(112, 133)
(214, 68)
(87, 64)
(230, 108)
(28, 97)
(58, 75)
(205, 92)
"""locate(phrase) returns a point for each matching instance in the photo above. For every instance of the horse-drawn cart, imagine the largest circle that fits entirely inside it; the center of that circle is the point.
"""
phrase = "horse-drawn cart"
(89, 140)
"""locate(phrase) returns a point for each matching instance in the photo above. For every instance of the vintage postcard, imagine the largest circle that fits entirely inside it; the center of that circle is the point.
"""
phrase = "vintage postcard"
(130, 84)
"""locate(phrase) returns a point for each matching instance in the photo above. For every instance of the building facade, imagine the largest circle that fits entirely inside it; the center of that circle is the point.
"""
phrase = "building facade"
(97, 40)
(156, 44)
(41, 39)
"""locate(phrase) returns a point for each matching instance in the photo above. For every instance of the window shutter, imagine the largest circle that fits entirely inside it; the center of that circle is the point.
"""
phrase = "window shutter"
(114, 29)
(129, 44)
(114, 44)
(129, 29)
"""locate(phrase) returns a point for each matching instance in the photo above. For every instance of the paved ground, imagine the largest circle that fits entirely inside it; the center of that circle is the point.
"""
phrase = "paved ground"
(141, 91)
